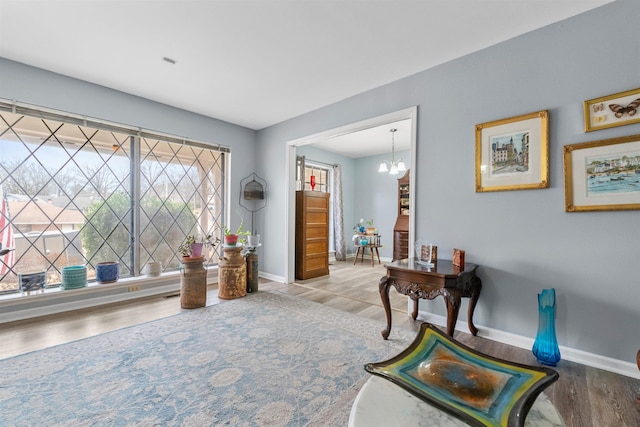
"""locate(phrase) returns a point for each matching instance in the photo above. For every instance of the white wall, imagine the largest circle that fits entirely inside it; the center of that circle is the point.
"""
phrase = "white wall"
(524, 241)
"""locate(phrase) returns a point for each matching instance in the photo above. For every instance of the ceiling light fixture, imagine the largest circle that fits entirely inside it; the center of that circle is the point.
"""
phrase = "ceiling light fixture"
(395, 167)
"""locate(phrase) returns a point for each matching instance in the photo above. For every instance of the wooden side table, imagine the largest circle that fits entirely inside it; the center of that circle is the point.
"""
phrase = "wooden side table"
(415, 279)
(373, 243)
(373, 247)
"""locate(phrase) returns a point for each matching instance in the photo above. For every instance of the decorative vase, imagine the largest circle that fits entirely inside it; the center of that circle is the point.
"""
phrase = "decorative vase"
(232, 274)
(253, 240)
(153, 269)
(196, 250)
(230, 239)
(74, 277)
(252, 272)
(545, 347)
(193, 283)
(107, 272)
(313, 182)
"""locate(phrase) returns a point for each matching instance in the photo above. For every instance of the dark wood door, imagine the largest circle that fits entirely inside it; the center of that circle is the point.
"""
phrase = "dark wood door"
(312, 234)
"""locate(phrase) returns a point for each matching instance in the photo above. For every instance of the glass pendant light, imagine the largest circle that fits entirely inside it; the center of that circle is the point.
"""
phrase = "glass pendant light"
(394, 167)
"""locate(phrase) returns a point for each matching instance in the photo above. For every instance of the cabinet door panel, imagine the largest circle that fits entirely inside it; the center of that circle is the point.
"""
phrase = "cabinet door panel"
(312, 234)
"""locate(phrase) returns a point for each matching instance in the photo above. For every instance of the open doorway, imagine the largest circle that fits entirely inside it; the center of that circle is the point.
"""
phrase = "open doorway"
(409, 115)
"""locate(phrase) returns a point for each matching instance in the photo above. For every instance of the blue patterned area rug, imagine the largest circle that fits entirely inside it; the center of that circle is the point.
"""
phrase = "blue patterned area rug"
(267, 359)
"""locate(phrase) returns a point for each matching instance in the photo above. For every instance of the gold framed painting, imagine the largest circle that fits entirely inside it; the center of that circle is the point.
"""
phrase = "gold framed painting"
(602, 175)
(513, 153)
(610, 111)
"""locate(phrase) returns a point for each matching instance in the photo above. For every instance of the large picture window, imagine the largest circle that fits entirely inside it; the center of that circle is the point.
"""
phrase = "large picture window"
(78, 194)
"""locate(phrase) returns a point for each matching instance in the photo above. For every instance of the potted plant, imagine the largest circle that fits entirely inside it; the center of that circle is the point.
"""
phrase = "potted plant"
(361, 228)
(192, 248)
(230, 238)
(370, 230)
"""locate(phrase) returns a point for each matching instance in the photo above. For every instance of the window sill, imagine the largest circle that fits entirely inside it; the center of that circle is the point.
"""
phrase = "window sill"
(20, 305)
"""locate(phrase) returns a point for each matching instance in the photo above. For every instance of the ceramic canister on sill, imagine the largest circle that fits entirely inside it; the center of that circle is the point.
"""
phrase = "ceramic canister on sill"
(73, 277)
(107, 272)
(153, 269)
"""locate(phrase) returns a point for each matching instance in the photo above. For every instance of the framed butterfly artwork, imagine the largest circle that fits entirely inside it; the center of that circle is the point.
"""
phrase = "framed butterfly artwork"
(609, 111)
(602, 175)
(513, 153)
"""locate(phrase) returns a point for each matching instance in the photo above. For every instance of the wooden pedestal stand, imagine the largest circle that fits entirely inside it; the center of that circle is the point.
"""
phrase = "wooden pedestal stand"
(252, 271)
(232, 274)
(193, 283)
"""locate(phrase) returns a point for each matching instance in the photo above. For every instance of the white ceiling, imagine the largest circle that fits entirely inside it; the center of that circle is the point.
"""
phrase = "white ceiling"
(372, 141)
(257, 63)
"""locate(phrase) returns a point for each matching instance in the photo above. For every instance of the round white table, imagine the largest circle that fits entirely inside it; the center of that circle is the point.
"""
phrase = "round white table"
(383, 403)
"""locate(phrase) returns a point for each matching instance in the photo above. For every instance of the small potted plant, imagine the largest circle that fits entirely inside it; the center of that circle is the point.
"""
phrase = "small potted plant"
(370, 230)
(230, 238)
(192, 248)
(361, 228)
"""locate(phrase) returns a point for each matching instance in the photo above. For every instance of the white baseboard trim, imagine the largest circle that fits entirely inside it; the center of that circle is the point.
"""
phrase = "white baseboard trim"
(574, 355)
(269, 276)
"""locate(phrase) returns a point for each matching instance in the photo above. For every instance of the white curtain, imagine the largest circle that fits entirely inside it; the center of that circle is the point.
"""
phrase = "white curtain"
(338, 226)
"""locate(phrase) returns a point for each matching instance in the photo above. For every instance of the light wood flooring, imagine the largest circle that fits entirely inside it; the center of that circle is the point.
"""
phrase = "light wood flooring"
(584, 396)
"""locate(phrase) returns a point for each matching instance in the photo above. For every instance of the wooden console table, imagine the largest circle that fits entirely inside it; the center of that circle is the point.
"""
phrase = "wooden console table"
(413, 278)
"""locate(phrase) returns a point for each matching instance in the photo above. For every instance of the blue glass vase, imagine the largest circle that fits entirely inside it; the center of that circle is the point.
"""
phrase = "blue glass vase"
(545, 347)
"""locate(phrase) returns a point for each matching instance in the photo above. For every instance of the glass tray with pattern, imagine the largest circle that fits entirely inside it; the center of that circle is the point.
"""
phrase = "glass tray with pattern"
(477, 388)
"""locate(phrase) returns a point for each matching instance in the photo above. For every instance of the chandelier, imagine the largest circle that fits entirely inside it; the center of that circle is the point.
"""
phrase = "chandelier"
(394, 167)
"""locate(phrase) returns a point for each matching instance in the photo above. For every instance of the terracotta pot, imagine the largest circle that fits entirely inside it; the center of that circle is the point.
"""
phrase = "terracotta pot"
(230, 239)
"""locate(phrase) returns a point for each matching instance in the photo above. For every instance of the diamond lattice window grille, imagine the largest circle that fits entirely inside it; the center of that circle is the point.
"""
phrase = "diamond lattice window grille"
(71, 190)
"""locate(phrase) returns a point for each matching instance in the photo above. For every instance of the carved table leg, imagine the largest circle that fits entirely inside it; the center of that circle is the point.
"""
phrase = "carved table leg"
(476, 287)
(383, 287)
(453, 307)
(414, 315)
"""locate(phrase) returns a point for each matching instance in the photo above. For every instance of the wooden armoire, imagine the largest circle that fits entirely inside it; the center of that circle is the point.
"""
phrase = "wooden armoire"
(312, 234)
(401, 228)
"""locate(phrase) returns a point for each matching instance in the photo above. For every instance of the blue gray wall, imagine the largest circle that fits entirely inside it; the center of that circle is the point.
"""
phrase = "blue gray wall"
(367, 193)
(524, 241)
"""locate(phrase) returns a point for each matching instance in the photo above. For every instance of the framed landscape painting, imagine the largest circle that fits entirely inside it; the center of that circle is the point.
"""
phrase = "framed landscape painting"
(602, 175)
(513, 153)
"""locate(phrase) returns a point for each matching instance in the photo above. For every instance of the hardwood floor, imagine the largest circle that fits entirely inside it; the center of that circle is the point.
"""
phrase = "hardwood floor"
(584, 396)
